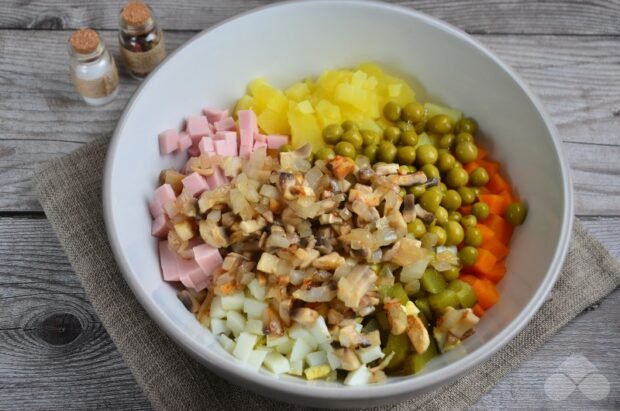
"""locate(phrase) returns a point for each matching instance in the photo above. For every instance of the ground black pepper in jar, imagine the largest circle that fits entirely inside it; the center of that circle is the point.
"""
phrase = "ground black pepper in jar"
(141, 40)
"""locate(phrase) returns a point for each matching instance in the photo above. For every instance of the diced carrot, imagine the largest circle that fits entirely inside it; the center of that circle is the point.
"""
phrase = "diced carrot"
(487, 233)
(496, 247)
(492, 167)
(500, 227)
(468, 278)
(482, 153)
(479, 311)
(465, 210)
(497, 183)
(485, 262)
(507, 196)
(486, 292)
(470, 167)
(484, 190)
(497, 203)
(497, 272)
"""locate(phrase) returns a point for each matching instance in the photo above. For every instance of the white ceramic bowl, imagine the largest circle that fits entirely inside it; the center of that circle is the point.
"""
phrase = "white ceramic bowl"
(287, 42)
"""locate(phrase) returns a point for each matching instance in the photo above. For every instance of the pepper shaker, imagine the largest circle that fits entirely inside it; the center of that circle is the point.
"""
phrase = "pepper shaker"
(141, 40)
(93, 69)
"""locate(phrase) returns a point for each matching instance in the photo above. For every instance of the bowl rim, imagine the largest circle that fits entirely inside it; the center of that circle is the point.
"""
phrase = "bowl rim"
(259, 381)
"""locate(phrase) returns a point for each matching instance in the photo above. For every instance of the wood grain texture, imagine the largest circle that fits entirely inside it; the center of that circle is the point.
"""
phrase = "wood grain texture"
(577, 78)
(47, 364)
(488, 16)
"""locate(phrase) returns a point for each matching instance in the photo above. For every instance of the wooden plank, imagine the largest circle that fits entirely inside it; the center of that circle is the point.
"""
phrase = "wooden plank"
(54, 351)
(488, 16)
(578, 79)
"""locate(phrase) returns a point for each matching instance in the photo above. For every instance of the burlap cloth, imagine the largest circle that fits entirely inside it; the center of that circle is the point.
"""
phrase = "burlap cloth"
(69, 190)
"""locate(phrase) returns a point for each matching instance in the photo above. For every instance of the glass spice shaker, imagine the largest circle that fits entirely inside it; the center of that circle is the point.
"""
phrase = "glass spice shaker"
(93, 69)
(141, 40)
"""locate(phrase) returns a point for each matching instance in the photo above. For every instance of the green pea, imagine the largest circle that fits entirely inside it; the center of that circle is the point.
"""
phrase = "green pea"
(417, 228)
(451, 273)
(440, 124)
(443, 187)
(370, 137)
(445, 162)
(466, 152)
(371, 153)
(349, 125)
(454, 233)
(387, 152)
(466, 125)
(392, 111)
(446, 141)
(431, 200)
(405, 125)
(441, 216)
(406, 155)
(420, 126)
(464, 137)
(432, 281)
(454, 216)
(440, 233)
(409, 138)
(456, 177)
(333, 133)
(417, 190)
(451, 200)
(354, 137)
(345, 149)
(480, 210)
(413, 112)
(285, 148)
(468, 195)
(479, 177)
(325, 154)
(426, 154)
(468, 255)
(473, 237)
(516, 213)
(392, 134)
(430, 170)
(469, 221)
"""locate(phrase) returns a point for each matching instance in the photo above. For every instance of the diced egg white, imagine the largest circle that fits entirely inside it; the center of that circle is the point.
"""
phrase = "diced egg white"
(235, 321)
(233, 301)
(298, 332)
(361, 376)
(300, 350)
(254, 326)
(256, 357)
(319, 330)
(227, 343)
(245, 345)
(275, 341)
(316, 358)
(286, 347)
(216, 310)
(277, 363)
(334, 361)
(368, 355)
(218, 326)
(254, 308)
(297, 368)
(257, 290)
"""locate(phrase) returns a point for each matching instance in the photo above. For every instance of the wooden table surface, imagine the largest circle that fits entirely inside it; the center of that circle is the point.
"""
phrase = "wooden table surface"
(54, 352)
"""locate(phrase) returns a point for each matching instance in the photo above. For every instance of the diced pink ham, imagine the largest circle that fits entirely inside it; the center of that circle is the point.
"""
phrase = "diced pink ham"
(192, 275)
(168, 141)
(225, 124)
(225, 135)
(208, 258)
(217, 178)
(214, 115)
(169, 262)
(259, 144)
(163, 195)
(245, 151)
(228, 145)
(197, 126)
(274, 141)
(260, 137)
(155, 208)
(160, 227)
(206, 145)
(195, 184)
(185, 141)
(248, 125)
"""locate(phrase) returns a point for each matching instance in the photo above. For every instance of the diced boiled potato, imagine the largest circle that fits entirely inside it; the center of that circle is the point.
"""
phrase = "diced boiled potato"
(228, 344)
(218, 326)
(233, 301)
(245, 345)
(235, 322)
(254, 308)
(316, 358)
(435, 109)
(184, 230)
(298, 92)
(368, 124)
(316, 372)
(319, 330)
(254, 326)
(273, 122)
(245, 103)
(300, 350)
(257, 290)
(297, 368)
(368, 355)
(216, 310)
(361, 376)
(305, 129)
(256, 357)
(277, 363)
(305, 107)
(328, 113)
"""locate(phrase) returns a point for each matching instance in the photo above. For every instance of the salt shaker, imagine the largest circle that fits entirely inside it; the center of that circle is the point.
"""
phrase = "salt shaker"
(141, 40)
(93, 70)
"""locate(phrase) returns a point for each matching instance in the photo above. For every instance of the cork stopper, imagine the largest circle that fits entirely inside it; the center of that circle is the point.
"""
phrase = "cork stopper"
(136, 14)
(84, 41)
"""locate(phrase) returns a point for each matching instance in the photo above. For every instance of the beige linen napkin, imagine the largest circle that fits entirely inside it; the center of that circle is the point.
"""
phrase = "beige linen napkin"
(69, 190)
